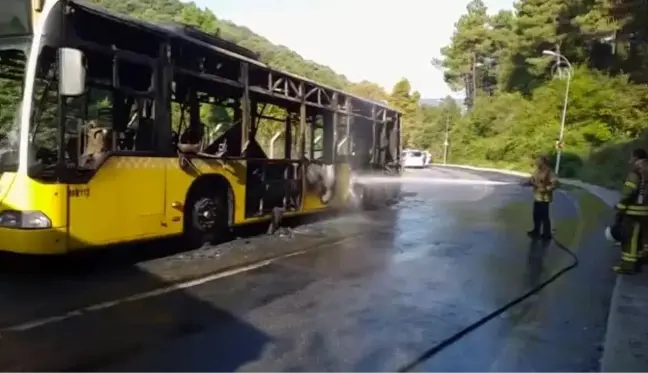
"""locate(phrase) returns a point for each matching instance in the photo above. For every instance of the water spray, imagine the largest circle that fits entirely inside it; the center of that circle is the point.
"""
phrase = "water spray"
(427, 180)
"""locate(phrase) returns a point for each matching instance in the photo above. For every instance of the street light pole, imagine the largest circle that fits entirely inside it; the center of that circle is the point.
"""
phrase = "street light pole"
(562, 123)
(446, 143)
(474, 79)
(560, 57)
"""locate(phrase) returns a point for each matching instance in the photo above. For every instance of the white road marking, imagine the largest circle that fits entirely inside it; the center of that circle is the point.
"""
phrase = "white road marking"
(37, 323)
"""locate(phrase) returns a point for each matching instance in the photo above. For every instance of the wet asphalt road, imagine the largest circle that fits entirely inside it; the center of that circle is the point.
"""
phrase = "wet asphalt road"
(384, 288)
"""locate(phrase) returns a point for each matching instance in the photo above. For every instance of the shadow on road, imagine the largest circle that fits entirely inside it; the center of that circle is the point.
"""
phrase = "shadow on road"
(93, 337)
(37, 288)
(113, 257)
(535, 264)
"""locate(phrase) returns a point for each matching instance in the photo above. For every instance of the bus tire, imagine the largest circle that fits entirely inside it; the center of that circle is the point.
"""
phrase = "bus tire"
(206, 215)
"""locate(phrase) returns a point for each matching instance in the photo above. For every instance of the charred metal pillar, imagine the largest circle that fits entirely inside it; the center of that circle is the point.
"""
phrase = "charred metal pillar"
(302, 140)
(254, 119)
(398, 135)
(302, 122)
(311, 122)
(164, 73)
(385, 148)
(194, 109)
(288, 137)
(331, 131)
(245, 105)
(374, 129)
(349, 122)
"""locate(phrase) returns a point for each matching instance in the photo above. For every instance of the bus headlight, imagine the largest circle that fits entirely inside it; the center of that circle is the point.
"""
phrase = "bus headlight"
(24, 220)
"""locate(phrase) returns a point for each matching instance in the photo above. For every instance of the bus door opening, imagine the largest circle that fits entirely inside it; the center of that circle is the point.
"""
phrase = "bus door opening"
(273, 177)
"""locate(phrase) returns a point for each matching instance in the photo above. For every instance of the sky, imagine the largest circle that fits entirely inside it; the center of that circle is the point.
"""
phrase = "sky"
(377, 40)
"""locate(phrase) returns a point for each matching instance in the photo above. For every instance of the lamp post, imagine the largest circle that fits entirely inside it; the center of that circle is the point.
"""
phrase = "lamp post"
(439, 65)
(560, 57)
(446, 143)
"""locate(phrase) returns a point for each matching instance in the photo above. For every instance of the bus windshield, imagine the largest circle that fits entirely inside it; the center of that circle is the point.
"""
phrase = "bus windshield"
(12, 72)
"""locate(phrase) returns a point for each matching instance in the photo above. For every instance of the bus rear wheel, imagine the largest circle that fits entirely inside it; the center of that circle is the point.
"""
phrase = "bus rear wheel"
(205, 219)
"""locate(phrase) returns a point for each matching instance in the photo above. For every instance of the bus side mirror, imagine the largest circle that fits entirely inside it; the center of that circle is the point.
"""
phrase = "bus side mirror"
(72, 73)
(38, 5)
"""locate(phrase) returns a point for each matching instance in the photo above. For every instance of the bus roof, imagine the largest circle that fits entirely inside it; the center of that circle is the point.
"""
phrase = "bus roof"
(174, 32)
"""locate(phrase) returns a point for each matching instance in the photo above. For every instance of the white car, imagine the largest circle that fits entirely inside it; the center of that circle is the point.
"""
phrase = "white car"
(414, 159)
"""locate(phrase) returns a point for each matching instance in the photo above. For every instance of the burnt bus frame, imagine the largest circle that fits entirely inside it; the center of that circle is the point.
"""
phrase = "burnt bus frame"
(280, 88)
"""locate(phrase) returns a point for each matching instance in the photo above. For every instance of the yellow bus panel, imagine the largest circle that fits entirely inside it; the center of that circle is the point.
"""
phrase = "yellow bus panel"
(23, 194)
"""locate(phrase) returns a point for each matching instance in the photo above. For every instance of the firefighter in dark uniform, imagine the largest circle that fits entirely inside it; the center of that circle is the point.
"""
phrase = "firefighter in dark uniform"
(632, 214)
(544, 182)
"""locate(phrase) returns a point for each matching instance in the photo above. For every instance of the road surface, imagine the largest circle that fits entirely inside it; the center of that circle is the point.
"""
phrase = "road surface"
(361, 292)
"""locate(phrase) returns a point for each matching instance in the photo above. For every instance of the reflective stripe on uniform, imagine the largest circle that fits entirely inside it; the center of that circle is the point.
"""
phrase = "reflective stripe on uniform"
(635, 212)
(628, 258)
(543, 197)
(630, 254)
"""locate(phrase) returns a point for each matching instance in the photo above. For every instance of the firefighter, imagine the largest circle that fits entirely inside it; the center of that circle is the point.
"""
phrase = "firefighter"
(544, 182)
(632, 214)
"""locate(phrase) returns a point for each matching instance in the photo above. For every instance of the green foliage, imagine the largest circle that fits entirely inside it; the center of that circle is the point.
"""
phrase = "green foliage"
(509, 128)
(9, 99)
(10, 90)
(436, 119)
(607, 113)
(403, 99)
(275, 55)
(369, 90)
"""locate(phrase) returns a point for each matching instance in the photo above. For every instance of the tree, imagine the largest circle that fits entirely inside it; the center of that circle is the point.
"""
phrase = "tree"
(606, 41)
(502, 38)
(469, 47)
(407, 102)
(369, 90)
(436, 119)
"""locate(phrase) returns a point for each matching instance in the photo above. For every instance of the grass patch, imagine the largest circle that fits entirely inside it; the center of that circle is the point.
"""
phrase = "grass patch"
(590, 208)
(608, 172)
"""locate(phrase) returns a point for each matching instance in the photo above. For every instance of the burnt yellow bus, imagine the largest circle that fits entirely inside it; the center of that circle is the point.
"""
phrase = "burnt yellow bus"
(114, 130)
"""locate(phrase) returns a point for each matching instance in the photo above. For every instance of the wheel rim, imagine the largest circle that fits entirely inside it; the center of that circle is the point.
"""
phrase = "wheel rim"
(205, 214)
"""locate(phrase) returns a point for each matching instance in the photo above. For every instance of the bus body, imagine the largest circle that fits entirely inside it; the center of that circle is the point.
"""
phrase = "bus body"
(115, 130)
